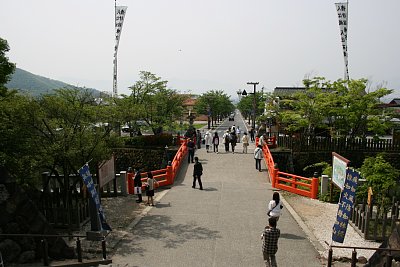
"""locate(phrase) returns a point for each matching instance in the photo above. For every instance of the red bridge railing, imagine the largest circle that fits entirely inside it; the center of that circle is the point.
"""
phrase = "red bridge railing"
(167, 175)
(303, 186)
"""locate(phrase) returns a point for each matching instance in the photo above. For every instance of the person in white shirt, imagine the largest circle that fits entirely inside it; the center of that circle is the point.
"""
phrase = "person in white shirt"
(245, 141)
(208, 140)
(238, 134)
(275, 206)
(258, 155)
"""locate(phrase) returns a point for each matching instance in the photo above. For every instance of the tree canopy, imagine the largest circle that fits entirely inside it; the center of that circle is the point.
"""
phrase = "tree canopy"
(343, 107)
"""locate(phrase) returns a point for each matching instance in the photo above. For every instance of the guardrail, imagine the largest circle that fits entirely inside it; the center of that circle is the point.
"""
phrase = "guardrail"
(303, 186)
(167, 175)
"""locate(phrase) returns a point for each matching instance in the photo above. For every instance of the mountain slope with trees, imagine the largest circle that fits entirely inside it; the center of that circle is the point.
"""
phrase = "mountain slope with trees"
(36, 85)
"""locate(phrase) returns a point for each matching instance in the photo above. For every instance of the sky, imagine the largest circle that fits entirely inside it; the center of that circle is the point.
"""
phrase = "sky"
(204, 45)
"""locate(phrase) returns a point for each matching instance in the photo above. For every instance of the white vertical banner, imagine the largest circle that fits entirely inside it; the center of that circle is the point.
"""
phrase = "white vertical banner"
(120, 12)
(341, 9)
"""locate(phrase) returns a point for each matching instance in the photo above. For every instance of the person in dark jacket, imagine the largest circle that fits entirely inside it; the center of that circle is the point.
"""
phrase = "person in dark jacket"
(137, 182)
(191, 147)
(233, 141)
(197, 172)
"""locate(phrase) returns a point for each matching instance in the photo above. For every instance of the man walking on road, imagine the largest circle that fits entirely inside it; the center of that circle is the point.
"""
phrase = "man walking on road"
(191, 146)
(258, 155)
(197, 173)
(270, 238)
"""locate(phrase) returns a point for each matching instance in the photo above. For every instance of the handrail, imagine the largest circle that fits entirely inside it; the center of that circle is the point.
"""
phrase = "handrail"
(167, 175)
(289, 182)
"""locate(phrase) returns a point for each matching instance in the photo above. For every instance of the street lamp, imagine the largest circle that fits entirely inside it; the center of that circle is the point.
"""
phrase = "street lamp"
(239, 93)
(254, 103)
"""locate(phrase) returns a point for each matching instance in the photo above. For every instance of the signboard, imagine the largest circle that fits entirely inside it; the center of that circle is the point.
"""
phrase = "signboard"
(346, 204)
(339, 165)
(106, 171)
(88, 180)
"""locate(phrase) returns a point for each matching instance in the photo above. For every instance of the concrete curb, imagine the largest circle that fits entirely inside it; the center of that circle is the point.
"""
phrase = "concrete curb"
(314, 241)
(139, 217)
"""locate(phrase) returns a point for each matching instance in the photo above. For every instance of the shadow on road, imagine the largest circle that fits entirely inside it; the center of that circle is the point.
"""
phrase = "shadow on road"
(291, 236)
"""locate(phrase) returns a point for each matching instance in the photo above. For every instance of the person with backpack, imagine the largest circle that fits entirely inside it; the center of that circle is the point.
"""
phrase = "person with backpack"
(233, 141)
(215, 142)
(258, 155)
(226, 139)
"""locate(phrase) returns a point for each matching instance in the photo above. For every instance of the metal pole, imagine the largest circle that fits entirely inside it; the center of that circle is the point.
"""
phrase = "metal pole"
(103, 247)
(79, 249)
(354, 258)
(254, 103)
(45, 252)
(330, 254)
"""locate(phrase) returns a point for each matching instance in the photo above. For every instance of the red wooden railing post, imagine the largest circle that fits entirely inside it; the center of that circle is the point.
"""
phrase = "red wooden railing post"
(314, 188)
(170, 178)
(130, 182)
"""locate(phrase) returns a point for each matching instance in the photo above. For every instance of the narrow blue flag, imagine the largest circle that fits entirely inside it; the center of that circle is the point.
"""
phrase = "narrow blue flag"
(346, 205)
(88, 180)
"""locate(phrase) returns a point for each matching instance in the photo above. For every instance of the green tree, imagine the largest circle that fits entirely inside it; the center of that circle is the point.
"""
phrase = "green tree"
(71, 130)
(19, 157)
(152, 101)
(381, 177)
(6, 68)
(214, 103)
(343, 106)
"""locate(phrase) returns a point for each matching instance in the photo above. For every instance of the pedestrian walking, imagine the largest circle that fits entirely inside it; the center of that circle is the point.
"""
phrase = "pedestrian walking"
(245, 141)
(258, 155)
(191, 147)
(198, 139)
(197, 173)
(215, 142)
(270, 238)
(238, 132)
(208, 140)
(263, 140)
(252, 135)
(150, 186)
(226, 140)
(275, 207)
(233, 141)
(137, 183)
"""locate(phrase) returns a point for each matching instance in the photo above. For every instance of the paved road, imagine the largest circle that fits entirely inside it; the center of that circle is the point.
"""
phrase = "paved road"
(219, 226)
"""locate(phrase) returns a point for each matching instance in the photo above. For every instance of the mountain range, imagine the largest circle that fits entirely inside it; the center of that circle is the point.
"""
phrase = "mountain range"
(36, 85)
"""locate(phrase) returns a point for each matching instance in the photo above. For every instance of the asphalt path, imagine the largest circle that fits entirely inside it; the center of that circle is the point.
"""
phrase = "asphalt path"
(219, 226)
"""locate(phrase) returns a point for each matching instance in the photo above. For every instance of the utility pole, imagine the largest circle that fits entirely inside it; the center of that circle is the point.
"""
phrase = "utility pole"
(254, 103)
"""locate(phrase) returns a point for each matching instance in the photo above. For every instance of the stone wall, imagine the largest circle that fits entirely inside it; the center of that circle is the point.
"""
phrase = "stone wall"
(19, 215)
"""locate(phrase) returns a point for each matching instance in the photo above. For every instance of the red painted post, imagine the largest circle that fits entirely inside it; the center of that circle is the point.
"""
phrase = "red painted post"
(130, 182)
(170, 178)
(314, 188)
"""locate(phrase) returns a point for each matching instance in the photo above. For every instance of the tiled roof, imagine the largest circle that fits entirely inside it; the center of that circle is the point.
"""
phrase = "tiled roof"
(288, 91)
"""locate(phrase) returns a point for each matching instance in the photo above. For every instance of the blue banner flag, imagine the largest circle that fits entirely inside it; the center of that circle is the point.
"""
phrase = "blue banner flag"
(88, 180)
(346, 205)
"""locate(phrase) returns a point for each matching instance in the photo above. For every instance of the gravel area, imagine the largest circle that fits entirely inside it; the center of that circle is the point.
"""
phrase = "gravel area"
(319, 217)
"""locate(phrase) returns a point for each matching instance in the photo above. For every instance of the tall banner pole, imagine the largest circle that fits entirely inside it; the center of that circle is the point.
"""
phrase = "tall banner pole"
(120, 12)
(342, 11)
